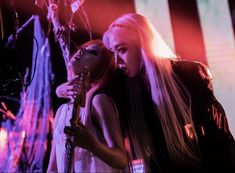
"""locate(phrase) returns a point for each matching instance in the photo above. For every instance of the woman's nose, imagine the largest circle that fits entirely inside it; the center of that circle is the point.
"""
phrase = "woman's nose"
(115, 57)
(119, 60)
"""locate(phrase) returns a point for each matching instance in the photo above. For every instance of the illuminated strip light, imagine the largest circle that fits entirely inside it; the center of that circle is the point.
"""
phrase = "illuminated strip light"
(220, 51)
(157, 11)
(138, 166)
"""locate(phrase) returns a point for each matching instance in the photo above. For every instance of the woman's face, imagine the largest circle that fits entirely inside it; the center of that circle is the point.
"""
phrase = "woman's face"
(127, 55)
(87, 56)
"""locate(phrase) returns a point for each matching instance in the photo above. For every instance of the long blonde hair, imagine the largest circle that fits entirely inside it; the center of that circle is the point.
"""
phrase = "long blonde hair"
(171, 99)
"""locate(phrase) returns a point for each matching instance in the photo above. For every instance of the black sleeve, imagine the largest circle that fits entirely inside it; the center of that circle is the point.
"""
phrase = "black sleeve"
(216, 142)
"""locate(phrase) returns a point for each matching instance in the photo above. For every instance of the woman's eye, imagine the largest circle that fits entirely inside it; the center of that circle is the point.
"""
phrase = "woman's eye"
(93, 51)
(121, 50)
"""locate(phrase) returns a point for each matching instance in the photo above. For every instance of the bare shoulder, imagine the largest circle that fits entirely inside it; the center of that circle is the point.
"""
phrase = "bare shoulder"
(101, 99)
(104, 105)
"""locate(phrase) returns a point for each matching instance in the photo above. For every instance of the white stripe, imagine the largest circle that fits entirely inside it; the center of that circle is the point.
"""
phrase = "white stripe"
(157, 11)
(220, 51)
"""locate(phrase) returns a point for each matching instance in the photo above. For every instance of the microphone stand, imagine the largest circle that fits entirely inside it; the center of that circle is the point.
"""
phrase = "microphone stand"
(12, 36)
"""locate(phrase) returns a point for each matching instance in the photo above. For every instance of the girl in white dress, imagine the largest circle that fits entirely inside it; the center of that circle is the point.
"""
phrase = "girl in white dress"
(97, 137)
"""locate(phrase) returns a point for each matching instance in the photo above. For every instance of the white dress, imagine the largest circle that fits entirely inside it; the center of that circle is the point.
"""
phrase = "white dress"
(84, 160)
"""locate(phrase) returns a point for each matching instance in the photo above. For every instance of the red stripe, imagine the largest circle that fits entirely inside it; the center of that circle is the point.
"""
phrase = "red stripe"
(232, 12)
(187, 30)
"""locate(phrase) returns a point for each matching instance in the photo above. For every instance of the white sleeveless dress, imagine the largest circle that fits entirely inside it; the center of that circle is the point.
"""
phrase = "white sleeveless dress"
(84, 160)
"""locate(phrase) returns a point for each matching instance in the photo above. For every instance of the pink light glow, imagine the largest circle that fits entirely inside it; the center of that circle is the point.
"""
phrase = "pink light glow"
(3, 146)
(3, 140)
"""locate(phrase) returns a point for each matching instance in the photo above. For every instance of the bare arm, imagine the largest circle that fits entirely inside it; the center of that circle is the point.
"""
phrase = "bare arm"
(52, 166)
(113, 154)
(68, 89)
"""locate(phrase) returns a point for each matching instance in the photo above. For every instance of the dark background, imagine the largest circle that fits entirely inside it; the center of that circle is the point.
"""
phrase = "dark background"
(16, 55)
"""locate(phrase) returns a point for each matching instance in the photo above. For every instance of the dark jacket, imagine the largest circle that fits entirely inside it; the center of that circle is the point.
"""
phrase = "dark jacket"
(216, 142)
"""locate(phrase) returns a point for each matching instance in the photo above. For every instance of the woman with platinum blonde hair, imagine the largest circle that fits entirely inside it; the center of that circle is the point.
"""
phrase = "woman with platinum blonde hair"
(173, 121)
